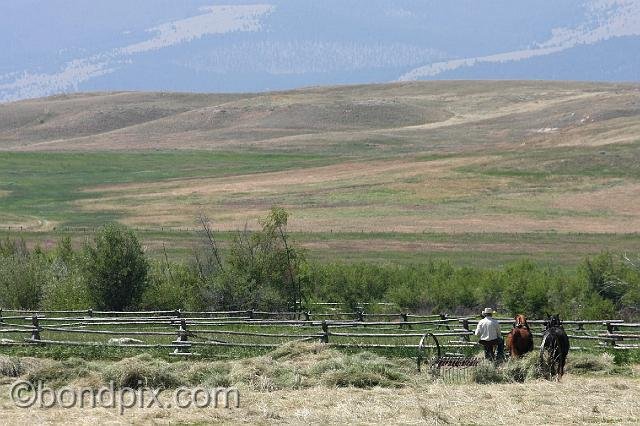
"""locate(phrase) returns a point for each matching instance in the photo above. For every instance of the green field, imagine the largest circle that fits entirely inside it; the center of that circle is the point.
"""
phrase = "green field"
(48, 186)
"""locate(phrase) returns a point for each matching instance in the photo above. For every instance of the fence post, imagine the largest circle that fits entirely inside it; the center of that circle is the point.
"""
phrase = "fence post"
(405, 320)
(250, 313)
(465, 325)
(182, 337)
(443, 317)
(611, 329)
(35, 332)
(307, 315)
(325, 332)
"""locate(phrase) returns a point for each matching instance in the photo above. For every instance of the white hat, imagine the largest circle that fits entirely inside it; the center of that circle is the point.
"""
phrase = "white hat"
(487, 311)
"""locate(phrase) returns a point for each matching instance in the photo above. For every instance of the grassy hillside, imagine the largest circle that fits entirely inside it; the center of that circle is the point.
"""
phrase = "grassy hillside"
(371, 120)
(434, 163)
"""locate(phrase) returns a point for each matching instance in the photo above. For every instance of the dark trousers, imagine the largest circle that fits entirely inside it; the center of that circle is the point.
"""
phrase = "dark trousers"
(490, 348)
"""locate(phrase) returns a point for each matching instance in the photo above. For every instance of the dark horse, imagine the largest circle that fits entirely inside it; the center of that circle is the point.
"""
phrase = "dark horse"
(519, 339)
(555, 346)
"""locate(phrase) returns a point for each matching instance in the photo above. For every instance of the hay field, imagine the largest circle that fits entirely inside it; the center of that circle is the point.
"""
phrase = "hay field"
(311, 384)
(576, 400)
(427, 158)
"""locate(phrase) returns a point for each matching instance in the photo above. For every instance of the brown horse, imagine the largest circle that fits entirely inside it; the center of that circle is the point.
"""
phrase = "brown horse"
(519, 339)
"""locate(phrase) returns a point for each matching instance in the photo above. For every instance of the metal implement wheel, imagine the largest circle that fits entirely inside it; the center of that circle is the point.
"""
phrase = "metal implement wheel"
(428, 351)
(550, 355)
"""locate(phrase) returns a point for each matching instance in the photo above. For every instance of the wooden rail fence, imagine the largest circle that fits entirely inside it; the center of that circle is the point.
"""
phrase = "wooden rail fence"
(182, 331)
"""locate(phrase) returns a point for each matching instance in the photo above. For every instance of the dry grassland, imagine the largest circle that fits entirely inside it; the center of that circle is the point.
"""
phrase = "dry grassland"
(576, 400)
(424, 116)
(383, 196)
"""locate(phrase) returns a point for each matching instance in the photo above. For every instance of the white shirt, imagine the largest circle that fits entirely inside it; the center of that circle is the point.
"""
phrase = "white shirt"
(488, 328)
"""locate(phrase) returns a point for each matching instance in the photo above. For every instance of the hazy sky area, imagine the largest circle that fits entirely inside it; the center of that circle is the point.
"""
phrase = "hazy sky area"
(60, 46)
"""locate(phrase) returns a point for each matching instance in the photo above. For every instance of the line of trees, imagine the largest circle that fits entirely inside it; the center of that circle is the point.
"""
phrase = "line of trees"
(265, 270)
(260, 270)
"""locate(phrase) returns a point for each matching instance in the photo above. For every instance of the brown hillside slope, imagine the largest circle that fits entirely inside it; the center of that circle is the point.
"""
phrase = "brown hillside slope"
(54, 120)
(363, 120)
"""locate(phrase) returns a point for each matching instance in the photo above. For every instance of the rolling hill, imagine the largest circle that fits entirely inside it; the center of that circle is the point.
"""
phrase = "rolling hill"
(367, 120)
(368, 168)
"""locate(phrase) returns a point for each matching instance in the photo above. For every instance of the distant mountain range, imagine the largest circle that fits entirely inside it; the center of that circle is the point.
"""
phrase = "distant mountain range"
(62, 46)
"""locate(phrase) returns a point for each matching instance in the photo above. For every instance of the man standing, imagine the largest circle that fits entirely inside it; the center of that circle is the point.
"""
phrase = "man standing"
(488, 330)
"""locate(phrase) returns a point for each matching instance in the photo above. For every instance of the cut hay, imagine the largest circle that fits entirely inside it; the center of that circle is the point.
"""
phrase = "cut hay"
(142, 371)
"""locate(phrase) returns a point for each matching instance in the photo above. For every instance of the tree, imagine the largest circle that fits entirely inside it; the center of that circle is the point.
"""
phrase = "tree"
(280, 262)
(115, 269)
(607, 276)
(262, 270)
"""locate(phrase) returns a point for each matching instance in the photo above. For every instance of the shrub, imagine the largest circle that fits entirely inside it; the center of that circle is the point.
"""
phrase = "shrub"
(605, 276)
(115, 269)
(66, 289)
(172, 286)
(22, 280)
(526, 289)
(262, 270)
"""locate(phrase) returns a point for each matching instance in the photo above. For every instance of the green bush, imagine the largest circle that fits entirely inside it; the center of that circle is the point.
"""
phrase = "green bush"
(262, 270)
(172, 286)
(526, 289)
(67, 287)
(115, 269)
(22, 280)
(435, 287)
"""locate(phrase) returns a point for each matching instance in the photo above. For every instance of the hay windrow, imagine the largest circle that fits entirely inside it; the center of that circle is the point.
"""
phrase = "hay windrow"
(142, 371)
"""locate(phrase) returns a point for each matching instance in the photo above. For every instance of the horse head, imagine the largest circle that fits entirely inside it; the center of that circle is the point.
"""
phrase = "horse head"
(520, 321)
(552, 321)
(547, 322)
